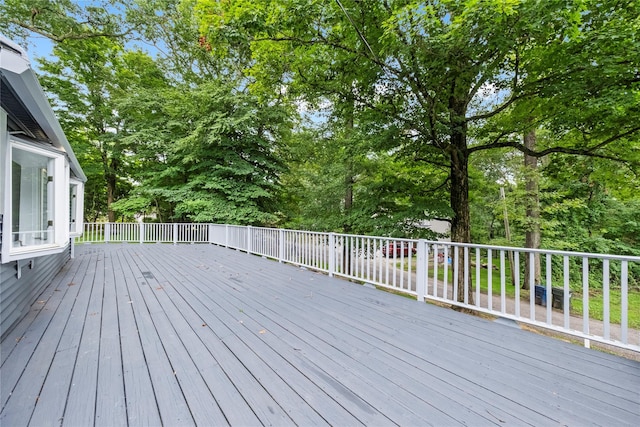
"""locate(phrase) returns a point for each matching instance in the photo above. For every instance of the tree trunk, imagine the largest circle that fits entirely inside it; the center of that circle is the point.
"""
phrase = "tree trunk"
(507, 235)
(461, 223)
(111, 192)
(348, 204)
(532, 235)
(110, 179)
(348, 187)
(348, 194)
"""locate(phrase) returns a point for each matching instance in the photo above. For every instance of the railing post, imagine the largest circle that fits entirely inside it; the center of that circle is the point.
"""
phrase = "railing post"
(107, 232)
(175, 233)
(73, 247)
(585, 300)
(249, 238)
(226, 235)
(210, 233)
(280, 245)
(422, 254)
(332, 254)
(141, 232)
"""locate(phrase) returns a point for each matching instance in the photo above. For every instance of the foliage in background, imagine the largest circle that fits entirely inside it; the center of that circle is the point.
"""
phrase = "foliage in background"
(419, 102)
(390, 196)
(85, 79)
(455, 78)
(176, 135)
(208, 153)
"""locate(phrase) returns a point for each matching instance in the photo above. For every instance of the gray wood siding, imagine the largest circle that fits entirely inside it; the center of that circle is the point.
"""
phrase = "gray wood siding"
(17, 295)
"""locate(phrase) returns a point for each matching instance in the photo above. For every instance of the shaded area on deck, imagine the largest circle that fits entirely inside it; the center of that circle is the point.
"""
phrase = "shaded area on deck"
(199, 334)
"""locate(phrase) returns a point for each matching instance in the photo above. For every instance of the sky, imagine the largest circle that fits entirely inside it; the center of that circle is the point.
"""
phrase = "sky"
(38, 46)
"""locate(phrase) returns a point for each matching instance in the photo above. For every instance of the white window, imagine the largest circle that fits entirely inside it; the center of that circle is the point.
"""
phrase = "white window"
(37, 193)
(76, 207)
(31, 197)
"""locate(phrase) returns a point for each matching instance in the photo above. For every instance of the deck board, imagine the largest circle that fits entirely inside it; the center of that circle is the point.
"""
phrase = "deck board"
(158, 334)
(52, 402)
(344, 353)
(110, 404)
(360, 348)
(80, 404)
(224, 391)
(310, 399)
(25, 371)
(170, 399)
(142, 406)
(526, 372)
(355, 376)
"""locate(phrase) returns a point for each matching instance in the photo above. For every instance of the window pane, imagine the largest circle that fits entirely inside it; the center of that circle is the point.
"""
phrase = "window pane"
(73, 203)
(31, 197)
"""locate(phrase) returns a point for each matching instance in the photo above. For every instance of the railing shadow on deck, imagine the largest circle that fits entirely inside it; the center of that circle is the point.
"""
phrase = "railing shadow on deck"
(586, 295)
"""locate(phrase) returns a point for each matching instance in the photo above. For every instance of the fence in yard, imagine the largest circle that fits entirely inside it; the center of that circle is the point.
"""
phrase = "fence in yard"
(595, 297)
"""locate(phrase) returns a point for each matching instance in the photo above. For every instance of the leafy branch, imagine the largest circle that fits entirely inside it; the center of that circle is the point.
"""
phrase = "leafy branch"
(589, 151)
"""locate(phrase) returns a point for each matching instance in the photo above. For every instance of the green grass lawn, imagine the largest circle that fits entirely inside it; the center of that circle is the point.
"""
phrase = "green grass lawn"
(484, 280)
(596, 306)
(96, 236)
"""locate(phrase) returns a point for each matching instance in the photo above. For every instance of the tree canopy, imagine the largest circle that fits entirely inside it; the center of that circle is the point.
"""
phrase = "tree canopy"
(370, 117)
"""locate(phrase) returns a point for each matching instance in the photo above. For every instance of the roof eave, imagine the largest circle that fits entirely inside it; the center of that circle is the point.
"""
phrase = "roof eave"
(16, 68)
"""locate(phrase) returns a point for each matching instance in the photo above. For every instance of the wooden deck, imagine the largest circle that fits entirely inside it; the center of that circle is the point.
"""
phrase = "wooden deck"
(156, 334)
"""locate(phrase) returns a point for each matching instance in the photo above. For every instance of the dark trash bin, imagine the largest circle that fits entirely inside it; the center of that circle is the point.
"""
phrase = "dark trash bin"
(558, 298)
(541, 295)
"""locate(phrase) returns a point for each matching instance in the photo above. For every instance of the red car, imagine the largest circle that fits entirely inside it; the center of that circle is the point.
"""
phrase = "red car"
(398, 249)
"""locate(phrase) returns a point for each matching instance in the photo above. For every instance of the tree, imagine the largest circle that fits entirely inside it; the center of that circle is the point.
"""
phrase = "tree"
(87, 79)
(582, 209)
(83, 81)
(443, 80)
(62, 20)
(390, 196)
(532, 203)
(447, 66)
(210, 154)
(143, 120)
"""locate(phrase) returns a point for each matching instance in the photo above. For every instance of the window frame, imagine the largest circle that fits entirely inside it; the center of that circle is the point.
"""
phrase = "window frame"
(59, 198)
(76, 218)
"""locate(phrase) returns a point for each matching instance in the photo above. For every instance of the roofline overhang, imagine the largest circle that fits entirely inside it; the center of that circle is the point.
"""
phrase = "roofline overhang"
(16, 69)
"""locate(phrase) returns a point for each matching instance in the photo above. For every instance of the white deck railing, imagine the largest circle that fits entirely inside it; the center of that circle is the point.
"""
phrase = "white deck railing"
(589, 296)
(131, 232)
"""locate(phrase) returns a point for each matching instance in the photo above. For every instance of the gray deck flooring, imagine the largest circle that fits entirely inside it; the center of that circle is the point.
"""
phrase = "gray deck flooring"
(155, 334)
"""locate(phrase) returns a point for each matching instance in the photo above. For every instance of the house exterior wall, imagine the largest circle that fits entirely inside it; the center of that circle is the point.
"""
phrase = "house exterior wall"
(17, 295)
(26, 267)
(441, 227)
(20, 289)
(4, 147)
(438, 226)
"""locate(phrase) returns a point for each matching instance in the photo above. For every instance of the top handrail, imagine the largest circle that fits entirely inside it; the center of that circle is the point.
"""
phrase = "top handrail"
(559, 252)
